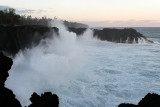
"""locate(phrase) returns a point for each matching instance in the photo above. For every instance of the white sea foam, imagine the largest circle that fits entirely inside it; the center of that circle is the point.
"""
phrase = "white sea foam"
(141, 40)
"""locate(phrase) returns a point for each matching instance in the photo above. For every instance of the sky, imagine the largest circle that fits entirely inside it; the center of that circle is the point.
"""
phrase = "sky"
(95, 13)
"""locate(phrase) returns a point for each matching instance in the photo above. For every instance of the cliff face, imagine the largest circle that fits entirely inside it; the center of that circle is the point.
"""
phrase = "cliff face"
(14, 38)
(7, 98)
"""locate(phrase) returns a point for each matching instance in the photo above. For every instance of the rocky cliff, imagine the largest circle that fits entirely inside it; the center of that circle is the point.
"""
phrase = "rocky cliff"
(15, 38)
(7, 98)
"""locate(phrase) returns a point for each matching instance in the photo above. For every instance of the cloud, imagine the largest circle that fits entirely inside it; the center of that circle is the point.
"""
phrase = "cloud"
(127, 23)
(4, 7)
(29, 11)
(23, 10)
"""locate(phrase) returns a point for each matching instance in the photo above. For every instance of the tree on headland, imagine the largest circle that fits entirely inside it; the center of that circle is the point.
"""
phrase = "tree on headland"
(75, 24)
(10, 17)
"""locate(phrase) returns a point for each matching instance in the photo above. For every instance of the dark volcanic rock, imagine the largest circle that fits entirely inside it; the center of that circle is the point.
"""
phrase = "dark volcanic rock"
(119, 35)
(150, 100)
(45, 100)
(78, 31)
(127, 105)
(114, 35)
(14, 38)
(7, 98)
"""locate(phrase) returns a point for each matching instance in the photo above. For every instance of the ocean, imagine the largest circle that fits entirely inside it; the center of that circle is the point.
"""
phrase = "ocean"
(87, 72)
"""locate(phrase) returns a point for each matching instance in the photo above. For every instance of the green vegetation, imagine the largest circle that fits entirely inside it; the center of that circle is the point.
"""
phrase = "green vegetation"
(9, 17)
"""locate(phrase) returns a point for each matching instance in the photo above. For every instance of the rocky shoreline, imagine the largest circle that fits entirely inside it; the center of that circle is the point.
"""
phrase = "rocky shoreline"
(8, 99)
(15, 38)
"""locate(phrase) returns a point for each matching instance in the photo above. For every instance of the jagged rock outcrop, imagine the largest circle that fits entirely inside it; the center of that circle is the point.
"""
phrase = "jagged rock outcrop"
(115, 35)
(14, 38)
(150, 100)
(7, 98)
(45, 100)
(120, 35)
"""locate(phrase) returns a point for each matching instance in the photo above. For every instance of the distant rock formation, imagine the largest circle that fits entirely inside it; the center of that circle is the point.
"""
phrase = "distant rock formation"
(45, 100)
(7, 98)
(115, 35)
(150, 100)
(120, 35)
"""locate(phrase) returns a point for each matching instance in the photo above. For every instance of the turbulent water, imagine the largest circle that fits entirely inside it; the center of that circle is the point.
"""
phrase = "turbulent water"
(86, 72)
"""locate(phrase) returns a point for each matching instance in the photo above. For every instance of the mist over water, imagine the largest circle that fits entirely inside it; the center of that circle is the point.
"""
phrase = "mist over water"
(51, 65)
(86, 72)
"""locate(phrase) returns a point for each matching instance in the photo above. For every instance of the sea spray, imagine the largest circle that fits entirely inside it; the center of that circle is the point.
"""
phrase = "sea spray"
(91, 74)
(47, 67)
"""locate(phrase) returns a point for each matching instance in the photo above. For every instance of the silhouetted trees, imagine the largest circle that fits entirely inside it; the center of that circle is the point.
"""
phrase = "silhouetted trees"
(75, 24)
(28, 20)
(9, 17)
